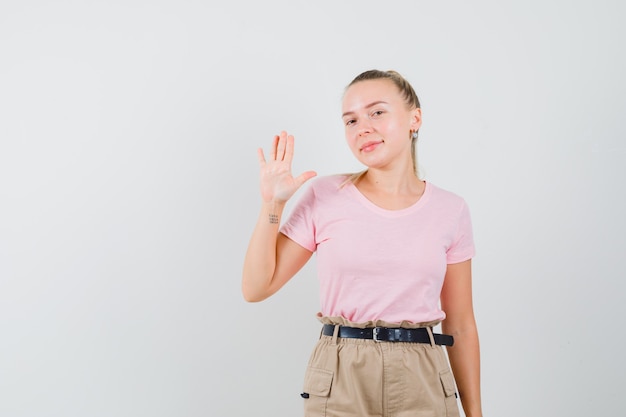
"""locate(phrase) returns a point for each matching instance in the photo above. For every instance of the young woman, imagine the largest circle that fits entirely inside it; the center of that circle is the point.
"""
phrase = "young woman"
(394, 259)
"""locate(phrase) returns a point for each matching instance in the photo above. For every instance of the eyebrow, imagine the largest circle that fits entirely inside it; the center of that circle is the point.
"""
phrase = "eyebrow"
(367, 107)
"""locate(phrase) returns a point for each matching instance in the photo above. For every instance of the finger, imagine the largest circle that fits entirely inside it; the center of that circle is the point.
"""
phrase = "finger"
(304, 177)
(273, 150)
(280, 150)
(289, 148)
(261, 157)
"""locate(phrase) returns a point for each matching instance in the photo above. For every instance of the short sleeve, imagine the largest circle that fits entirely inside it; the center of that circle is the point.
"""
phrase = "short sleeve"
(462, 247)
(300, 224)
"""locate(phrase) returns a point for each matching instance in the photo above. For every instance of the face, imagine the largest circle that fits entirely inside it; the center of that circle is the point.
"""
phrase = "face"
(378, 123)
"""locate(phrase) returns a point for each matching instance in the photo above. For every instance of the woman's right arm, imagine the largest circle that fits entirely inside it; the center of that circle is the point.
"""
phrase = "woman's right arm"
(272, 258)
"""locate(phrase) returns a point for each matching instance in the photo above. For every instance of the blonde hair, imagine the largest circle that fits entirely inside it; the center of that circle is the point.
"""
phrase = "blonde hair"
(410, 97)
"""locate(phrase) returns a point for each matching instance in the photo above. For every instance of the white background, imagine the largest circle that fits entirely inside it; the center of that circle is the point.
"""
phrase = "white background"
(128, 191)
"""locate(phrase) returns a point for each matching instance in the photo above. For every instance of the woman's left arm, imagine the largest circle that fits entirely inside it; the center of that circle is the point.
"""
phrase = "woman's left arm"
(456, 301)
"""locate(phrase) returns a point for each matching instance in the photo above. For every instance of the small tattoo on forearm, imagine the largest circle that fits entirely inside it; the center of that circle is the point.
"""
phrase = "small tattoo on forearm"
(273, 218)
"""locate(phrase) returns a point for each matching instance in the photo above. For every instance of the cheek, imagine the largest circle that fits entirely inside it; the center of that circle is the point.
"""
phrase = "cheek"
(350, 137)
(399, 130)
(353, 146)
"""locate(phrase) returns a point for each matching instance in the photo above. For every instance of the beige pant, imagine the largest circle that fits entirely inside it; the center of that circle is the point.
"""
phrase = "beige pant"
(365, 378)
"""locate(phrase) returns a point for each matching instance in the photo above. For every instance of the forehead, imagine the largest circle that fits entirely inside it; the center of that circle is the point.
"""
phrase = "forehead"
(366, 92)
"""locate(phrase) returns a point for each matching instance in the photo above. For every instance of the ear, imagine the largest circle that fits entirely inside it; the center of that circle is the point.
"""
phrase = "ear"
(416, 119)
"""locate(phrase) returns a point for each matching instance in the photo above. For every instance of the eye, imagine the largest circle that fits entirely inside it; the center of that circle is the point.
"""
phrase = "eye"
(350, 122)
(377, 113)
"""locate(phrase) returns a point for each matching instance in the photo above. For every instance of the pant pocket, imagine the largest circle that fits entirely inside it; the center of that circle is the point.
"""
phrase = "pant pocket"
(317, 385)
(449, 392)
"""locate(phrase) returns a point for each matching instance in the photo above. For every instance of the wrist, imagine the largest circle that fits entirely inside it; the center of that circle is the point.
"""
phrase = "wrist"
(273, 206)
(473, 413)
(271, 212)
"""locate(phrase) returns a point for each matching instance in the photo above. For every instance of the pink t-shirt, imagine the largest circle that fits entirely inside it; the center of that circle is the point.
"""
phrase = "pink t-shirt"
(377, 264)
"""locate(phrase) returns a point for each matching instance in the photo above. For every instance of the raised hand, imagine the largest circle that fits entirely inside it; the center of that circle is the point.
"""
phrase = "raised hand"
(277, 182)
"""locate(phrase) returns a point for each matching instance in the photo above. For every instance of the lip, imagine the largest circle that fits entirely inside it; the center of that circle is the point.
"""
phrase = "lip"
(370, 146)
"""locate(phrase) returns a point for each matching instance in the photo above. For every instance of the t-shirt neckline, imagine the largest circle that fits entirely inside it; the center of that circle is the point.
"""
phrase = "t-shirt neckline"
(392, 213)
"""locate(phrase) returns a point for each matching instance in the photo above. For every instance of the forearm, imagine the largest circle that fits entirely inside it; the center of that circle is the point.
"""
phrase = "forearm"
(260, 260)
(465, 361)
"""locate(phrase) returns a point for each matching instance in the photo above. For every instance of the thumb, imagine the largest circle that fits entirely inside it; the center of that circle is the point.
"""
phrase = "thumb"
(304, 177)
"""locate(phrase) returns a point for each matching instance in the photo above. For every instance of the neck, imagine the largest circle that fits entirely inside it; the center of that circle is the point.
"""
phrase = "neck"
(394, 183)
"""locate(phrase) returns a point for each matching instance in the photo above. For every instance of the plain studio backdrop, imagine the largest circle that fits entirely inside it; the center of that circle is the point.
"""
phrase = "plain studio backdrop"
(129, 189)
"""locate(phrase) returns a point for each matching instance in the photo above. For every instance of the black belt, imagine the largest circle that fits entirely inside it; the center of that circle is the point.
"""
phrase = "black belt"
(388, 334)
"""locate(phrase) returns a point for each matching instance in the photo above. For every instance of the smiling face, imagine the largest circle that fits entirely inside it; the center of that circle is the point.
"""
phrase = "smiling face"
(378, 123)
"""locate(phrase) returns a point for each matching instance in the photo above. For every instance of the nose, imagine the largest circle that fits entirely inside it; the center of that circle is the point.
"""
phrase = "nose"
(365, 127)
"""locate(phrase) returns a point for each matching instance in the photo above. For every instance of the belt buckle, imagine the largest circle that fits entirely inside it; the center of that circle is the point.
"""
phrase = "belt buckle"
(375, 334)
